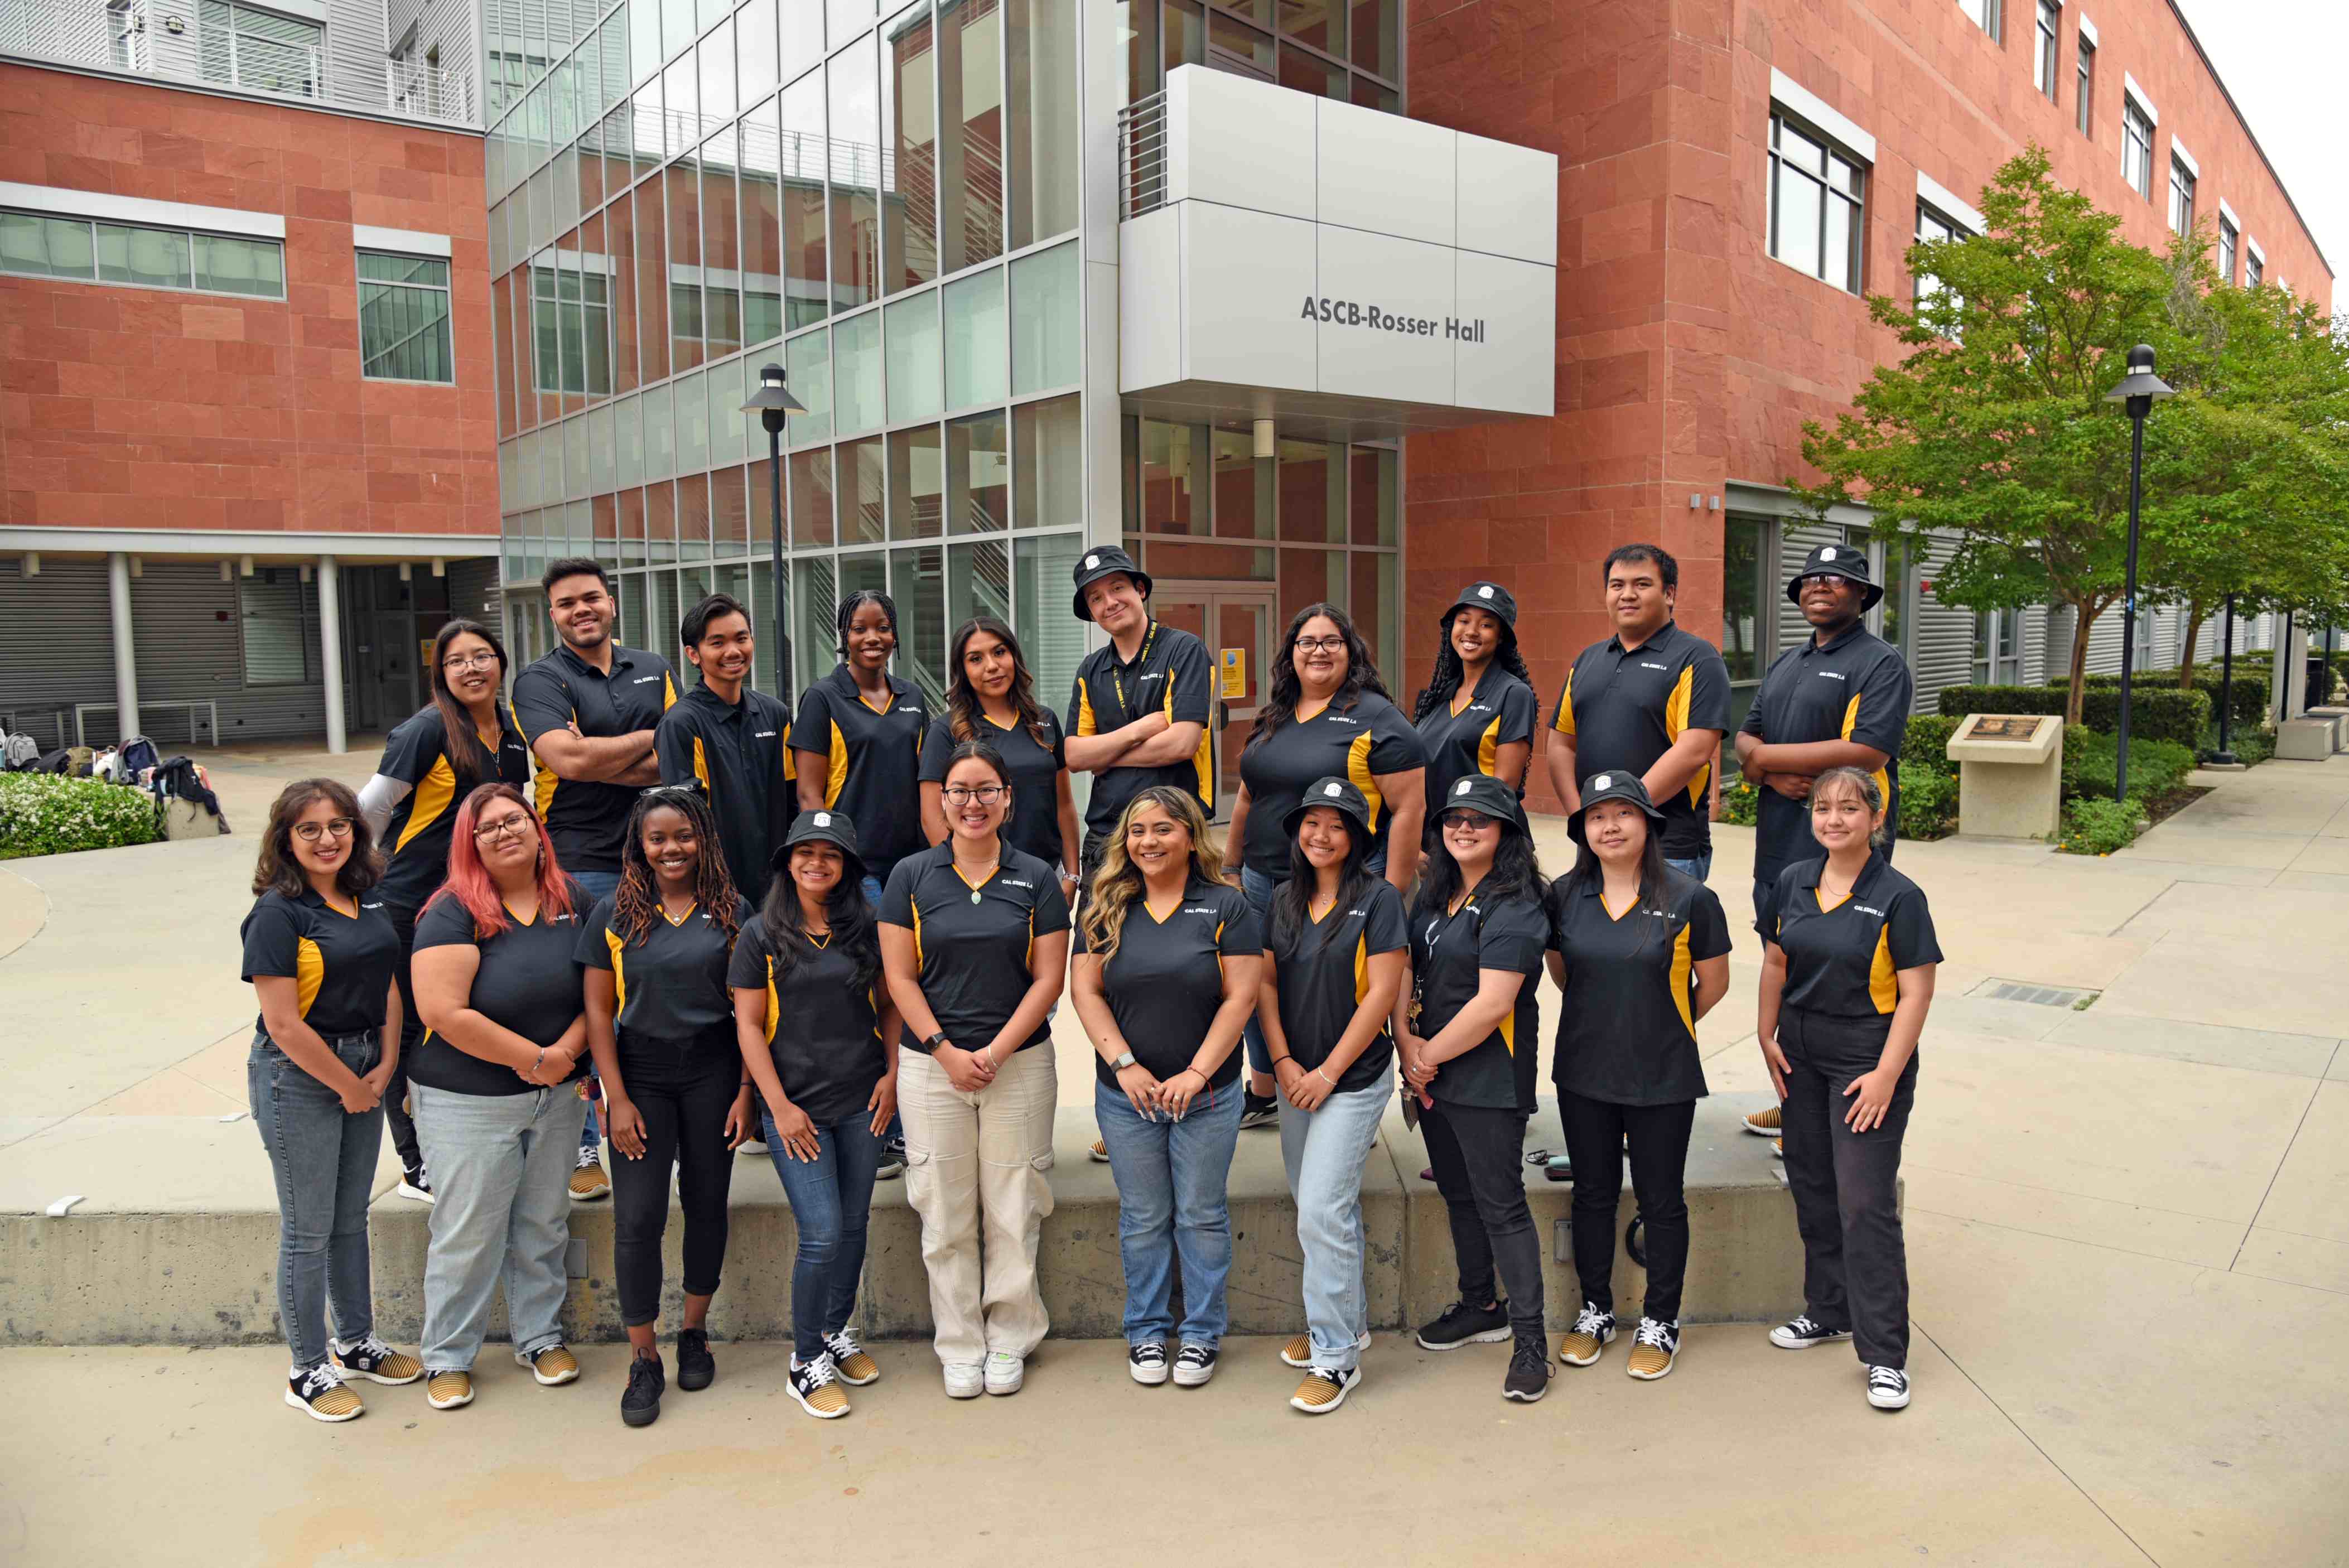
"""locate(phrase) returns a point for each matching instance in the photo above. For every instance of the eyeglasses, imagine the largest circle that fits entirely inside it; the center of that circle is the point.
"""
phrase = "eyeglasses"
(1824, 580)
(311, 832)
(1320, 645)
(480, 661)
(1474, 821)
(512, 827)
(986, 794)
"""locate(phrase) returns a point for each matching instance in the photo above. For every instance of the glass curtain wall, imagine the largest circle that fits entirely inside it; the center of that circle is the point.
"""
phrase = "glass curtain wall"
(885, 203)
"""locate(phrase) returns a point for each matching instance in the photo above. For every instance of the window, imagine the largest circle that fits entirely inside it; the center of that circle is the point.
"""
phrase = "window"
(33, 244)
(2043, 69)
(278, 617)
(1817, 213)
(1984, 14)
(2225, 249)
(2137, 147)
(404, 318)
(2254, 268)
(2181, 196)
(1998, 647)
(261, 50)
(1933, 224)
(2086, 72)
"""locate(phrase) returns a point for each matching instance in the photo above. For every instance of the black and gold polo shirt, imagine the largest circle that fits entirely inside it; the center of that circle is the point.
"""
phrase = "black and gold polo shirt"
(1858, 688)
(1358, 744)
(670, 985)
(585, 817)
(1449, 951)
(1323, 973)
(1626, 707)
(1169, 673)
(830, 1057)
(870, 760)
(1165, 984)
(340, 960)
(1466, 735)
(416, 844)
(1626, 1025)
(1845, 960)
(740, 755)
(971, 943)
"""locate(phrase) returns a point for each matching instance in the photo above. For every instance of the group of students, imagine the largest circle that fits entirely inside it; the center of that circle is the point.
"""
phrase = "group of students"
(820, 933)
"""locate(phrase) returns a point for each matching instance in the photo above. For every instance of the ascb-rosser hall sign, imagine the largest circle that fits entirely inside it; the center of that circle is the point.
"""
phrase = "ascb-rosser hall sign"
(1316, 259)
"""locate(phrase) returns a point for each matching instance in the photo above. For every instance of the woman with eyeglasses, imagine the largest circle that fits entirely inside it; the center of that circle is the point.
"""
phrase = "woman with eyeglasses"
(497, 1108)
(1326, 715)
(974, 943)
(465, 735)
(990, 696)
(1468, 1028)
(661, 1022)
(325, 1047)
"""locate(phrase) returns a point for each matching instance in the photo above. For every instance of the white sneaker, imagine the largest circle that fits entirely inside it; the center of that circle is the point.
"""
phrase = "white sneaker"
(751, 1146)
(964, 1380)
(1888, 1387)
(415, 1185)
(1005, 1372)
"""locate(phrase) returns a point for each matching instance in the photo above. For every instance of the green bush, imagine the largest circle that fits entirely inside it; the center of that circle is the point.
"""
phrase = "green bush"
(2156, 767)
(1928, 798)
(2156, 713)
(1927, 739)
(46, 814)
(2248, 695)
(2099, 827)
(1741, 803)
(2251, 744)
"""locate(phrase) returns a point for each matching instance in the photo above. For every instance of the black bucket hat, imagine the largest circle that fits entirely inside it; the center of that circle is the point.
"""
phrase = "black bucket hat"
(1619, 784)
(829, 827)
(1340, 796)
(1847, 562)
(1490, 597)
(1105, 561)
(1483, 792)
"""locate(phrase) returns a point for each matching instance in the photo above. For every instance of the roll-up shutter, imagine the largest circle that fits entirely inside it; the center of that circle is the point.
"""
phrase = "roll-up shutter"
(473, 589)
(56, 646)
(1797, 540)
(1940, 649)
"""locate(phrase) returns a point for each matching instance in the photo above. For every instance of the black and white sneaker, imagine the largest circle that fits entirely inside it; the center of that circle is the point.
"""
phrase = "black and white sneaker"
(1194, 1365)
(416, 1183)
(319, 1394)
(373, 1359)
(1258, 1110)
(1805, 1332)
(1465, 1324)
(1529, 1371)
(1147, 1362)
(892, 1161)
(1888, 1387)
(816, 1385)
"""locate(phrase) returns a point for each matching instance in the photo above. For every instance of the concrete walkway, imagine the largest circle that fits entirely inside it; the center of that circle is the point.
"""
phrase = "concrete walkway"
(2128, 1247)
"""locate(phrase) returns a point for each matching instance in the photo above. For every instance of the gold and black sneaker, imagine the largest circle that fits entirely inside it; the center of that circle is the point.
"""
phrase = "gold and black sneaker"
(849, 1358)
(588, 1183)
(378, 1362)
(449, 1391)
(1766, 1123)
(1654, 1347)
(551, 1365)
(816, 1385)
(1100, 1151)
(1324, 1389)
(321, 1395)
(1591, 1331)
(1299, 1352)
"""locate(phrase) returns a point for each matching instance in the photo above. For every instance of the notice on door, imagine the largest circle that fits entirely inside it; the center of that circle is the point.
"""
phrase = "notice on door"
(1235, 668)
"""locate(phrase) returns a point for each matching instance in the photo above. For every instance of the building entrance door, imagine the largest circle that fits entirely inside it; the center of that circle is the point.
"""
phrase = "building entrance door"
(1236, 620)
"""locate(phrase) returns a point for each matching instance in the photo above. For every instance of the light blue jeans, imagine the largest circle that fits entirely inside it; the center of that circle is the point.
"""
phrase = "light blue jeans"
(324, 1159)
(1325, 1151)
(1700, 868)
(1171, 1207)
(502, 1184)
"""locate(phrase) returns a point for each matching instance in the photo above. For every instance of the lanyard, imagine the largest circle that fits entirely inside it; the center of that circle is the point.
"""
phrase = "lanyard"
(1117, 673)
(1438, 928)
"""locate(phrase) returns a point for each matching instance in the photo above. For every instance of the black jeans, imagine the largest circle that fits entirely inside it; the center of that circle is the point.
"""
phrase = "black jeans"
(1595, 1132)
(411, 1030)
(1846, 1184)
(683, 1092)
(1477, 1155)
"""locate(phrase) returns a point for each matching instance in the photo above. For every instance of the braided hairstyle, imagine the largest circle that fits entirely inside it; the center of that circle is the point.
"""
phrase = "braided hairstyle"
(636, 902)
(855, 601)
(1446, 682)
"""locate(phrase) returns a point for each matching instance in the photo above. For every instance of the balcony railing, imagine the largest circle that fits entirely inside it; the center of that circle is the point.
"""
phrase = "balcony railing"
(1141, 156)
(129, 37)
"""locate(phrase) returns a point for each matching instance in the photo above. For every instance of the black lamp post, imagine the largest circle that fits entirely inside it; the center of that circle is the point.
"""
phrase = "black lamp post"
(2137, 392)
(2223, 756)
(771, 403)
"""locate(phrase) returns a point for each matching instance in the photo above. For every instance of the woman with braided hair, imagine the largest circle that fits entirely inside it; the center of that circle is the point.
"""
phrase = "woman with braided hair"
(859, 736)
(1478, 711)
(660, 1021)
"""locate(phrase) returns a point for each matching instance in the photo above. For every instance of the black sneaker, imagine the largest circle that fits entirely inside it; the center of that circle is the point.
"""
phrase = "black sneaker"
(892, 1161)
(640, 1400)
(1147, 1362)
(696, 1367)
(1888, 1387)
(1529, 1371)
(1194, 1365)
(1465, 1324)
(1805, 1332)
(1259, 1110)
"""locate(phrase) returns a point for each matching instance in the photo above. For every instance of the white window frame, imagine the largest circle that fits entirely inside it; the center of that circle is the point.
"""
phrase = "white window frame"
(2136, 146)
(1816, 120)
(2083, 73)
(405, 245)
(185, 219)
(2182, 192)
(2047, 48)
(1987, 14)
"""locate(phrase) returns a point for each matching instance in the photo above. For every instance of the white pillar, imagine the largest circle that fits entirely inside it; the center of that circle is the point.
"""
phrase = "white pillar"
(330, 649)
(125, 655)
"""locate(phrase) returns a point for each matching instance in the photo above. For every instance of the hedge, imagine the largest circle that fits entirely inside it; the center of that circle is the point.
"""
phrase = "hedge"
(2155, 713)
(2156, 767)
(47, 814)
(2248, 697)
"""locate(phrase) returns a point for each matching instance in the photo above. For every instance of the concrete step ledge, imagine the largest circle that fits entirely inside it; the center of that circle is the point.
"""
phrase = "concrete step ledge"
(206, 1275)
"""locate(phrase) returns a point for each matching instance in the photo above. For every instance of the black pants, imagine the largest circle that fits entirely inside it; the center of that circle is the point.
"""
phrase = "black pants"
(1846, 1184)
(1659, 1134)
(683, 1092)
(411, 1030)
(1477, 1155)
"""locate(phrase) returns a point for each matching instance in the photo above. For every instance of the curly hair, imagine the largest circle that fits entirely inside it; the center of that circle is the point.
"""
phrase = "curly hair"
(1117, 882)
(636, 902)
(278, 871)
(854, 601)
(1445, 683)
(963, 712)
(1279, 709)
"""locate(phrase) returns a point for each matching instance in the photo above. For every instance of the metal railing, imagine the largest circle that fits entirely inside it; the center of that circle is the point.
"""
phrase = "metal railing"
(1141, 156)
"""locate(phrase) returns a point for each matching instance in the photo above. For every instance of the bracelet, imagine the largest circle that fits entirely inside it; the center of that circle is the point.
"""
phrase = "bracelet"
(1325, 1078)
(538, 1061)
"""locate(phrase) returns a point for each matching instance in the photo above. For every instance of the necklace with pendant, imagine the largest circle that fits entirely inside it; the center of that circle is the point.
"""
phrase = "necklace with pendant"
(990, 872)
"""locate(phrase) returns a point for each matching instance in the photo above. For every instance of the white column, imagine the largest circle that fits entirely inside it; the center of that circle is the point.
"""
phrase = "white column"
(126, 655)
(330, 649)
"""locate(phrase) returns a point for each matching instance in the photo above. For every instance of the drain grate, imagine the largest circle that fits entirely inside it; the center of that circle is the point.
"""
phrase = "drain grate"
(2037, 995)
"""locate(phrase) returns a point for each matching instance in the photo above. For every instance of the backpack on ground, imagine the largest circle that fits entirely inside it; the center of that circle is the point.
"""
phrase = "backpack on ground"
(18, 751)
(132, 758)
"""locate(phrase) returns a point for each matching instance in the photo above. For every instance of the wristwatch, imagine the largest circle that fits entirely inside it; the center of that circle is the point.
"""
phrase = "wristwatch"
(935, 1041)
(1122, 1060)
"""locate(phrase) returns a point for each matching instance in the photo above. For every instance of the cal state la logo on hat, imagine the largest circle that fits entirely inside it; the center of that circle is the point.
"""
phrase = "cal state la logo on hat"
(1462, 787)
(1604, 781)
(1331, 789)
(1485, 592)
(1091, 562)
(1826, 553)
(823, 819)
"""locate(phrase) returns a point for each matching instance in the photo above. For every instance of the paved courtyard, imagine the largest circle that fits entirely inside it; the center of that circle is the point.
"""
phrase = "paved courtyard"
(2128, 1243)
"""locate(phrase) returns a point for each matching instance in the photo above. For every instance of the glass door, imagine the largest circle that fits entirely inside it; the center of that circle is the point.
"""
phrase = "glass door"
(1236, 620)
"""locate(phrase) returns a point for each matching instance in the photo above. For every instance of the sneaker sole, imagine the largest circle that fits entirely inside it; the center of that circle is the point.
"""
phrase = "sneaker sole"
(971, 1393)
(316, 1414)
(591, 1197)
(350, 1372)
(1148, 1376)
(800, 1399)
(1881, 1404)
(1488, 1336)
(1096, 1156)
(541, 1379)
(1005, 1390)
(1763, 1131)
(1306, 1364)
(1185, 1378)
(1523, 1397)
(1296, 1404)
(886, 1174)
(640, 1417)
(696, 1387)
(415, 1195)
(449, 1404)
(870, 1377)
(1806, 1344)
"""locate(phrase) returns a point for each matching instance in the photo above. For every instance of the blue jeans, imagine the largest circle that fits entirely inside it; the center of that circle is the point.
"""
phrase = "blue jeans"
(595, 885)
(1172, 1178)
(502, 1190)
(324, 1159)
(831, 1204)
(1701, 866)
(1259, 889)
(1325, 1151)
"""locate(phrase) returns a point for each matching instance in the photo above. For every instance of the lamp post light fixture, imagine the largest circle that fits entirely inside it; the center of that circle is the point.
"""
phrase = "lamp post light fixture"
(2138, 393)
(773, 404)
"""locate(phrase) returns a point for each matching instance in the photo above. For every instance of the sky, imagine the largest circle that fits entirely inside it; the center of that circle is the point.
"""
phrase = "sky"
(2281, 61)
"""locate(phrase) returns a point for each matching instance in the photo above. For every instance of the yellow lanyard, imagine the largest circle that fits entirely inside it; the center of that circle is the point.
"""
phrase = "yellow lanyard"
(1117, 675)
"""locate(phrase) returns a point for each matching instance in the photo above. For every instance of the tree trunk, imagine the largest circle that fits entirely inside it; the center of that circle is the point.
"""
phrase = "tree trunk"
(2084, 614)
(2196, 612)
